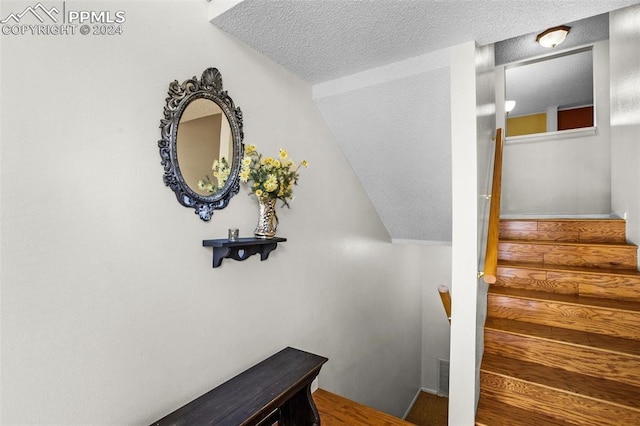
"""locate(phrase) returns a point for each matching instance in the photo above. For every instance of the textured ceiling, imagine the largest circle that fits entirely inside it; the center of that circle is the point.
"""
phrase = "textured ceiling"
(585, 31)
(321, 40)
(406, 165)
(565, 81)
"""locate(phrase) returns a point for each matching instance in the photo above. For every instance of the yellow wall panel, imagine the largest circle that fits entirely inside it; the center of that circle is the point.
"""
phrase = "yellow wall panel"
(527, 124)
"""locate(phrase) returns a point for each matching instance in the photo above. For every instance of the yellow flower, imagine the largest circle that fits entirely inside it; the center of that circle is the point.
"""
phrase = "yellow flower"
(271, 184)
(268, 176)
(304, 163)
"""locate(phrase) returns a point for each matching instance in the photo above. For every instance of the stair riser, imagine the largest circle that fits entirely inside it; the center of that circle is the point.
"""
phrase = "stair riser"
(615, 257)
(611, 286)
(563, 405)
(571, 231)
(492, 413)
(591, 319)
(621, 288)
(578, 359)
(534, 279)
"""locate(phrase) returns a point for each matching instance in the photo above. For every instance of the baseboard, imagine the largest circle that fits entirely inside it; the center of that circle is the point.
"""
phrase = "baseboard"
(559, 216)
(420, 242)
(415, 398)
(413, 401)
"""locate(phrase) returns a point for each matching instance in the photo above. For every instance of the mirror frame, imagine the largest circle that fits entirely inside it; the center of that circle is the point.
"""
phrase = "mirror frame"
(180, 96)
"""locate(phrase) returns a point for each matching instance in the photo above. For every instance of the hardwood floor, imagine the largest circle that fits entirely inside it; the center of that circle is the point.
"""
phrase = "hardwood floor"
(562, 335)
(337, 411)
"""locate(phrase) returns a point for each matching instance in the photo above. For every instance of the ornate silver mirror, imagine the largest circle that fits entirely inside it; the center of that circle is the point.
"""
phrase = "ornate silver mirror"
(201, 146)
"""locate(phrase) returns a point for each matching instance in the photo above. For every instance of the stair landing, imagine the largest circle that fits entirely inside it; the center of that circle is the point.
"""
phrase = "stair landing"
(336, 410)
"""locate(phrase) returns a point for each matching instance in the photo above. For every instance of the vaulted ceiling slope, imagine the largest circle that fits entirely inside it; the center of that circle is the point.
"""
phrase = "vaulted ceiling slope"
(327, 41)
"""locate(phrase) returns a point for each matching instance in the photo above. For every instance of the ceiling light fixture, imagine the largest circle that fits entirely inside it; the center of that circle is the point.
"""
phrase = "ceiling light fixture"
(553, 36)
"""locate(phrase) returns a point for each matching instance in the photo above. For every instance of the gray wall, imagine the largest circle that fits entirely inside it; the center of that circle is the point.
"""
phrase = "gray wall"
(392, 123)
(111, 312)
(562, 175)
(625, 117)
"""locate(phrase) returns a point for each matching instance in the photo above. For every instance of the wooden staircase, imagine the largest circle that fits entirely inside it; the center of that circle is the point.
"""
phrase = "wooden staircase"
(562, 335)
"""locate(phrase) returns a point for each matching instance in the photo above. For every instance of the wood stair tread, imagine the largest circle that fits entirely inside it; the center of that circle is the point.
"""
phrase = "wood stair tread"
(566, 243)
(563, 268)
(492, 413)
(566, 336)
(335, 410)
(564, 230)
(596, 302)
(562, 332)
(579, 384)
(591, 254)
(601, 282)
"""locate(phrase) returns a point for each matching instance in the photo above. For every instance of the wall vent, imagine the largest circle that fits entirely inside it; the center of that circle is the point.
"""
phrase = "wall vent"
(443, 383)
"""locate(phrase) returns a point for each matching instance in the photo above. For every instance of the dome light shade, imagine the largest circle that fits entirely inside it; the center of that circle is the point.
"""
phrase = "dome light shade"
(553, 36)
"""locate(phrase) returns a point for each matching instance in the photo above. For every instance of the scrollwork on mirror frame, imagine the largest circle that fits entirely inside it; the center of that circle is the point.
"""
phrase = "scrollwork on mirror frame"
(180, 96)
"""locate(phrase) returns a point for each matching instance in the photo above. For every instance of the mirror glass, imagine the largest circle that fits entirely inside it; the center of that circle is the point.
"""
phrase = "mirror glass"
(551, 94)
(201, 146)
(204, 135)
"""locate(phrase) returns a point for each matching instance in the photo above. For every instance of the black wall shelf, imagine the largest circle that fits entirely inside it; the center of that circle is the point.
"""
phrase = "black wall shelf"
(242, 248)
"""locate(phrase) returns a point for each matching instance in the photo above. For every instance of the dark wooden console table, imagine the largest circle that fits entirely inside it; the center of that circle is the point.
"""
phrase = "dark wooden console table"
(274, 391)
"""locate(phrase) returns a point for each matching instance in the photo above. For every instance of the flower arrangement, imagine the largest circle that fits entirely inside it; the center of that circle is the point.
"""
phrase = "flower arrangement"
(273, 178)
(221, 170)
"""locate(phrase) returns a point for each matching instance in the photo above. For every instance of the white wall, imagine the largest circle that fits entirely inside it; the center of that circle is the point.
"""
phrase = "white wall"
(624, 33)
(111, 312)
(464, 291)
(562, 176)
(435, 326)
(388, 143)
(486, 131)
